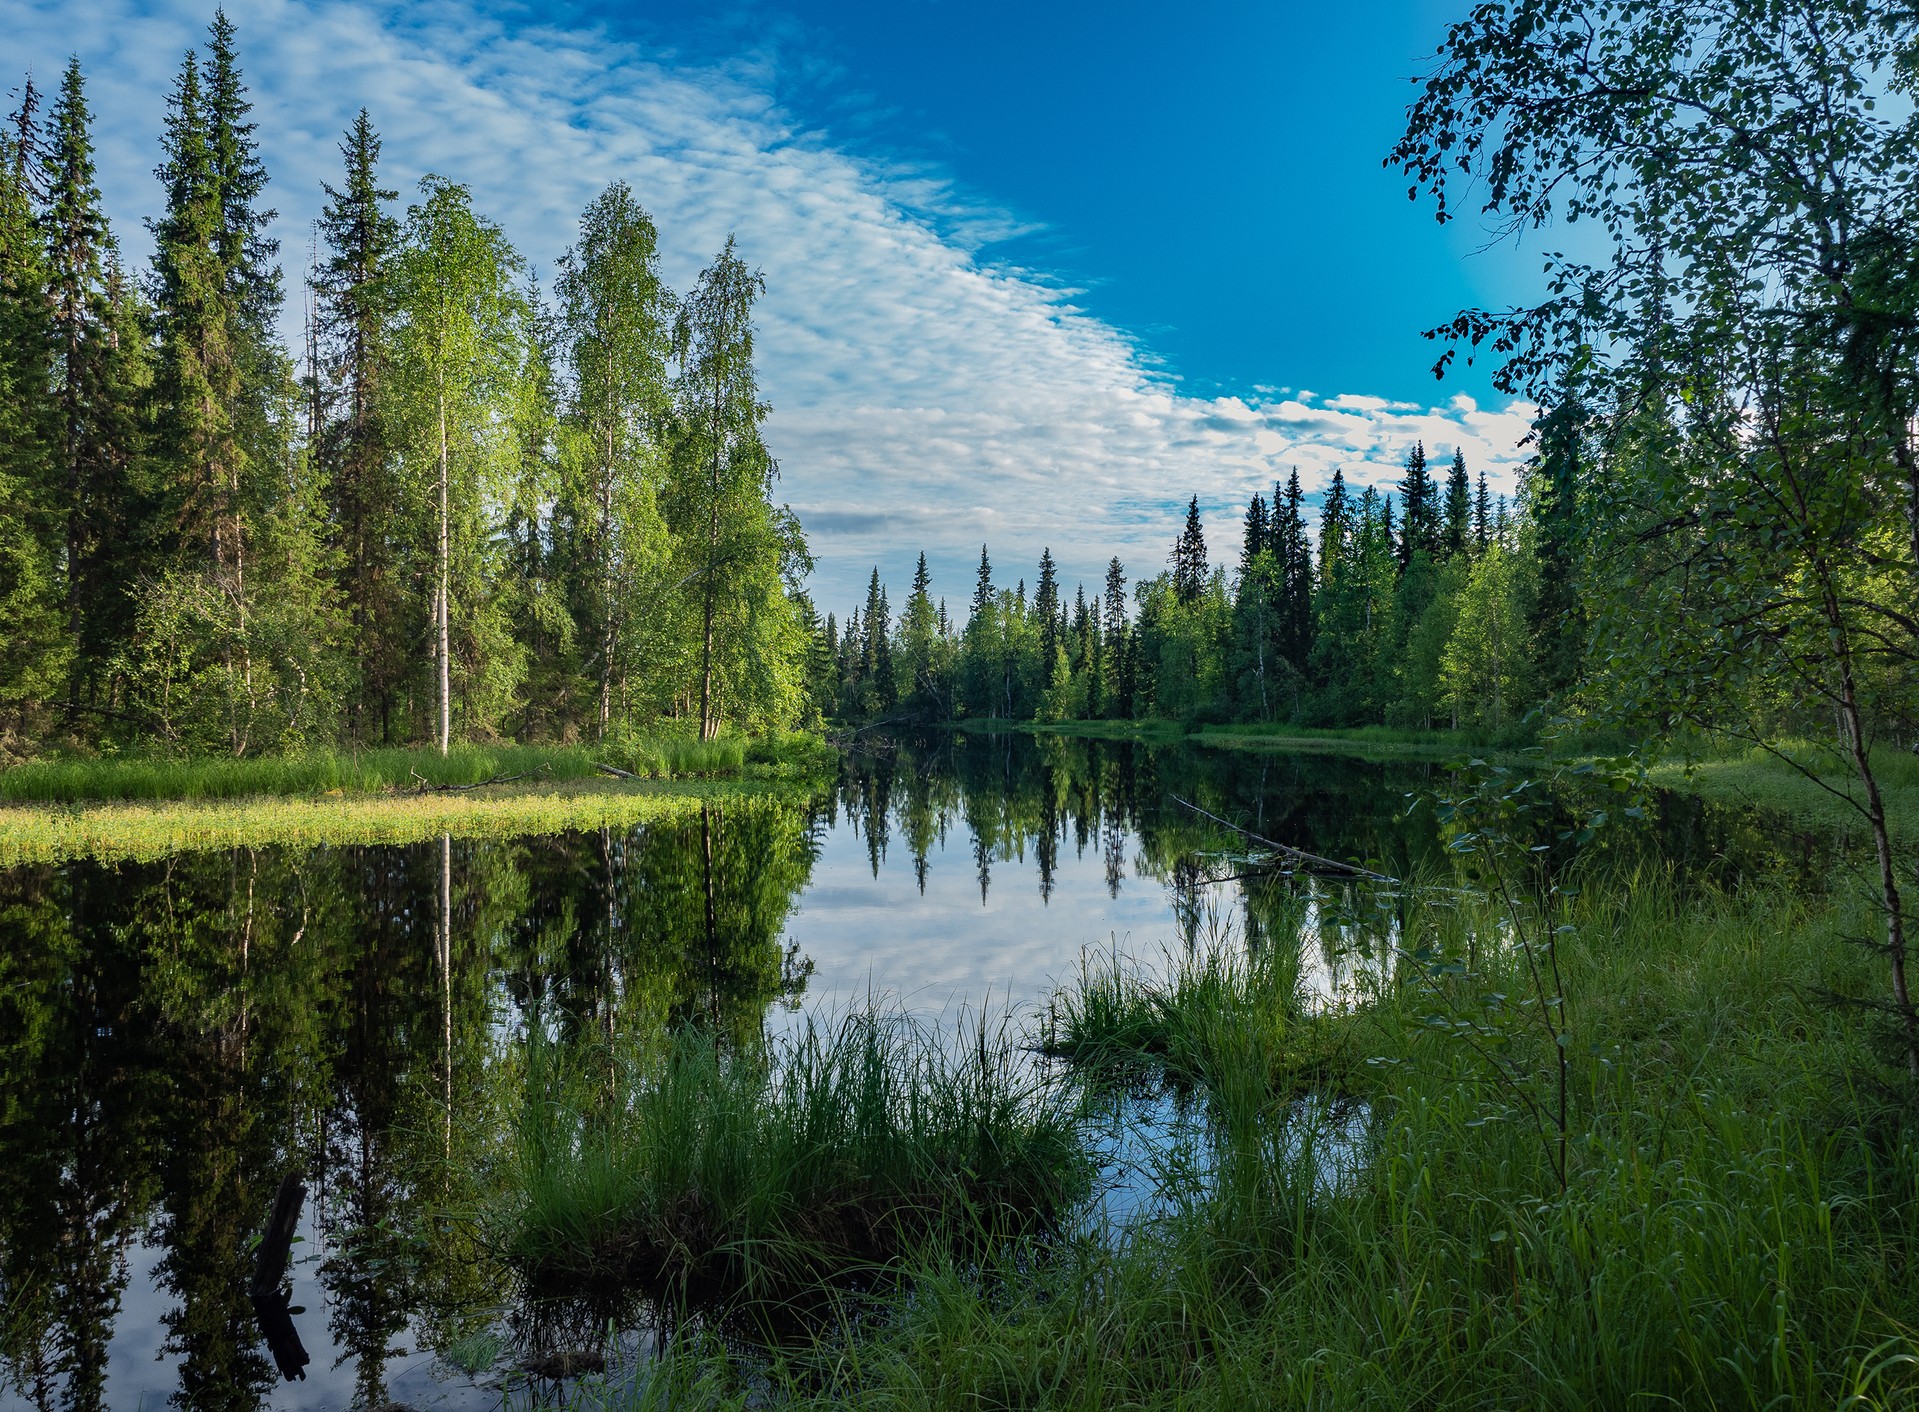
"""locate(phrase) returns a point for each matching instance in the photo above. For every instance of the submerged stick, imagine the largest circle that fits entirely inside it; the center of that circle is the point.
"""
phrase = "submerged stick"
(1352, 869)
(427, 788)
(277, 1242)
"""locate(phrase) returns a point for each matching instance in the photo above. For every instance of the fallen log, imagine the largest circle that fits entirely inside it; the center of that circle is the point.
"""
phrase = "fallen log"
(276, 1243)
(615, 771)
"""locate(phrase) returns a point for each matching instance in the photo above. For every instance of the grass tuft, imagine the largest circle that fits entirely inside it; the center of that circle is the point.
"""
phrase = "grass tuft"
(1196, 1020)
(697, 1174)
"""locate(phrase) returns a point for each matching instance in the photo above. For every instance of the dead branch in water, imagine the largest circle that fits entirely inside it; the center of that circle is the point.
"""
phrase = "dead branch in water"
(427, 787)
(1286, 850)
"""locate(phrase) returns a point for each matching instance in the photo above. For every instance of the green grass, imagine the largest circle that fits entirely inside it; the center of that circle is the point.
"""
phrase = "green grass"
(1757, 778)
(113, 831)
(384, 771)
(1198, 1017)
(710, 1176)
(1739, 1225)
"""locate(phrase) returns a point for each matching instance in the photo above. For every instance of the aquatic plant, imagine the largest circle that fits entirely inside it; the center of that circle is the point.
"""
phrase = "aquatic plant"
(697, 1172)
(1197, 1018)
(1735, 1228)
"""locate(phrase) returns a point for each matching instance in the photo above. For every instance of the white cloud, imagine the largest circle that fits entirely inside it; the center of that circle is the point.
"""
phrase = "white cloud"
(925, 397)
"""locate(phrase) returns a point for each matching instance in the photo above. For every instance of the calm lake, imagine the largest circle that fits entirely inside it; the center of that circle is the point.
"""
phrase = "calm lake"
(176, 1036)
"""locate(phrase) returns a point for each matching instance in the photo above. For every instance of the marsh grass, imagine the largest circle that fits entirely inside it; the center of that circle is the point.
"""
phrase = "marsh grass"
(701, 1175)
(135, 831)
(1195, 1019)
(1758, 779)
(1739, 1226)
(663, 757)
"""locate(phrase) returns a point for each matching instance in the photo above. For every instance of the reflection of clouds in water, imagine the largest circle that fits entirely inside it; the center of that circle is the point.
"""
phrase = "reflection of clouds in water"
(936, 949)
(1342, 965)
(942, 950)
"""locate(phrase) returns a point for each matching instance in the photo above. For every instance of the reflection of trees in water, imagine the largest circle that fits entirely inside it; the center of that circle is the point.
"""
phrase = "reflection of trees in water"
(175, 1036)
(1016, 794)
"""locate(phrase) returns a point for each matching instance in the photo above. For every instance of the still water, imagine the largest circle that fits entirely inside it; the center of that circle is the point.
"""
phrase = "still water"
(176, 1036)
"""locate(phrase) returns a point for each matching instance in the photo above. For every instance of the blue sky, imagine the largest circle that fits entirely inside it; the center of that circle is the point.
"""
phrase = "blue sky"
(1209, 174)
(1036, 272)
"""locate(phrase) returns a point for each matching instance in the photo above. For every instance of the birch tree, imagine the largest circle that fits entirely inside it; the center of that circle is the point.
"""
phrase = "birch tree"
(458, 353)
(740, 556)
(617, 321)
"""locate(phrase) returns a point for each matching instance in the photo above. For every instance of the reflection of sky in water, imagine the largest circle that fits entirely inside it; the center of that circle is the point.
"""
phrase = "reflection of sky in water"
(936, 953)
(940, 952)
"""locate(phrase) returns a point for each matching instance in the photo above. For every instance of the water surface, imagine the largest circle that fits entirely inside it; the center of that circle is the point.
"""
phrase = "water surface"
(176, 1036)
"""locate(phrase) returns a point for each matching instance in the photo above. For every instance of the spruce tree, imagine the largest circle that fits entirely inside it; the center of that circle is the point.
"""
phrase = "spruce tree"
(1257, 531)
(1420, 531)
(1552, 502)
(1046, 609)
(1459, 508)
(1482, 516)
(1189, 557)
(196, 385)
(920, 634)
(350, 384)
(1296, 574)
(96, 383)
(983, 585)
(33, 640)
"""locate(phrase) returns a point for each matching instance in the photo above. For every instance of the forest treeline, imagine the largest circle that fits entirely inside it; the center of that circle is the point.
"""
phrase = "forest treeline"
(466, 508)
(1429, 604)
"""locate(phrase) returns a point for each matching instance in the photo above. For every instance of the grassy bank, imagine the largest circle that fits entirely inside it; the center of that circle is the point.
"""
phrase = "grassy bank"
(699, 1175)
(1735, 1226)
(1760, 779)
(387, 771)
(114, 831)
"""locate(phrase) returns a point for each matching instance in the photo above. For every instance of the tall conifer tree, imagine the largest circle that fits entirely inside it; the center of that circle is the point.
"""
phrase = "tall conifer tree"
(355, 448)
(1457, 532)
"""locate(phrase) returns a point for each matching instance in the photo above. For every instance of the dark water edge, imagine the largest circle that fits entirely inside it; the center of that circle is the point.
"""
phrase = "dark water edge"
(177, 1036)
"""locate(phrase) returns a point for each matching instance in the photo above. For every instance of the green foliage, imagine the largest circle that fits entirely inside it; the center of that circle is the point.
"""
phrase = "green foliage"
(199, 552)
(704, 1173)
(1197, 1019)
(1730, 1232)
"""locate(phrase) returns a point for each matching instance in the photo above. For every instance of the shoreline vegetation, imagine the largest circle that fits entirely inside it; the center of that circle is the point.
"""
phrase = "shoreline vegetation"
(1379, 1213)
(139, 809)
(1812, 790)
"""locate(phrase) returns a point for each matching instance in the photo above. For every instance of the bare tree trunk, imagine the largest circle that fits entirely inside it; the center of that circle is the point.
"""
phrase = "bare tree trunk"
(607, 636)
(441, 626)
(1889, 892)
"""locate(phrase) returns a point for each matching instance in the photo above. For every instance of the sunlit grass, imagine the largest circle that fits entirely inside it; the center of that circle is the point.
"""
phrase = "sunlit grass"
(1195, 1017)
(109, 831)
(383, 771)
(1759, 778)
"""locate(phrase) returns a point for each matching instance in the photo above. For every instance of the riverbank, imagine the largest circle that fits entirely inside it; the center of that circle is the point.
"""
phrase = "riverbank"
(1819, 796)
(1726, 1221)
(386, 771)
(115, 831)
